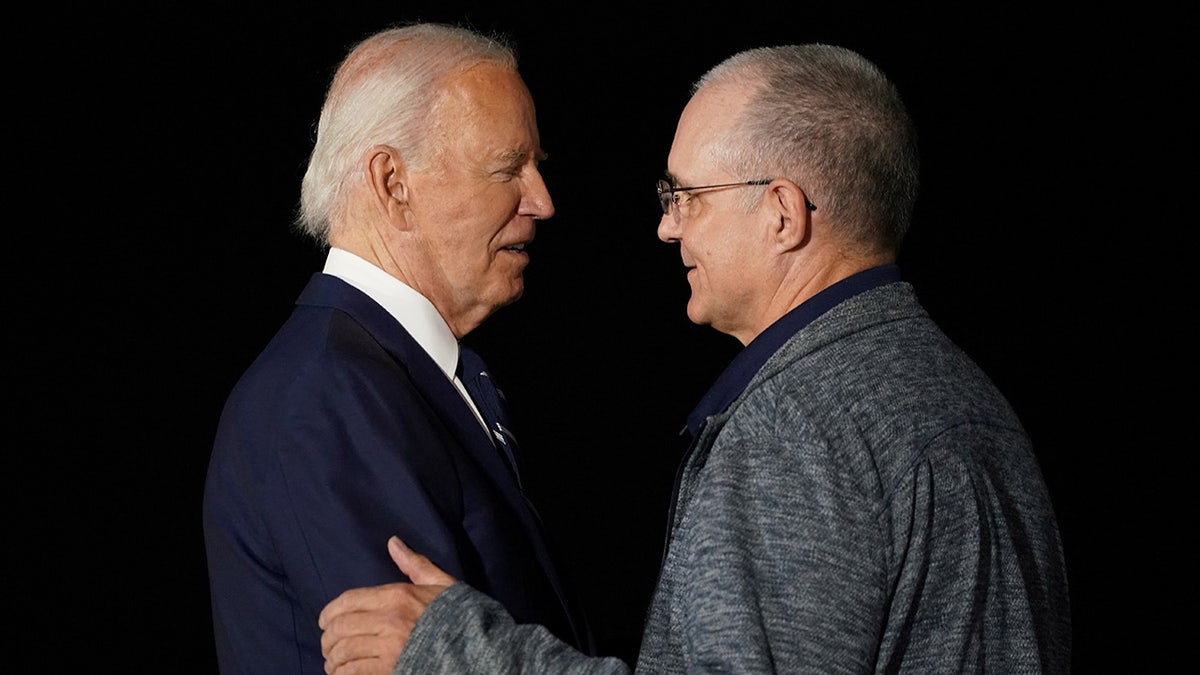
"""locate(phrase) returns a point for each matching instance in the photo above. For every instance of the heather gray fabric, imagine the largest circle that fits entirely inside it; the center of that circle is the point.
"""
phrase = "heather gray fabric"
(870, 504)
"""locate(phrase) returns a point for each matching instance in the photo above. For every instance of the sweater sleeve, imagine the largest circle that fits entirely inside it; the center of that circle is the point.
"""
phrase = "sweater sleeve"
(464, 631)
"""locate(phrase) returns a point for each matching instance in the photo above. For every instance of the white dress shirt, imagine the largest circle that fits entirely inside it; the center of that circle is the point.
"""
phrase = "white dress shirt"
(414, 311)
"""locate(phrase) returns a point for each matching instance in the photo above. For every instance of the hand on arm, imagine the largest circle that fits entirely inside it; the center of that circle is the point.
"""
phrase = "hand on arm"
(365, 629)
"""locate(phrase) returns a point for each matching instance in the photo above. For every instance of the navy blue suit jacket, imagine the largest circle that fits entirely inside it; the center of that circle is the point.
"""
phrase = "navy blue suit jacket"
(342, 433)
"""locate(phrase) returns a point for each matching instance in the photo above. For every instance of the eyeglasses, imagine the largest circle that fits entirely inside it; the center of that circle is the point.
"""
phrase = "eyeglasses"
(668, 196)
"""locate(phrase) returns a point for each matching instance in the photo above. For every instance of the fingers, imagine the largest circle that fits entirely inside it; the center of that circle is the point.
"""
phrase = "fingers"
(363, 643)
(370, 599)
(363, 655)
(417, 567)
(365, 629)
(427, 581)
(366, 666)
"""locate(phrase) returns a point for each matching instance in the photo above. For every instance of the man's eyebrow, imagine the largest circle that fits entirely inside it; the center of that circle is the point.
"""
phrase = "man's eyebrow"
(671, 178)
(515, 157)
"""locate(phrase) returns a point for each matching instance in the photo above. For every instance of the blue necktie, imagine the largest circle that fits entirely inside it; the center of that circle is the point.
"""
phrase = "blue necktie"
(473, 373)
(490, 401)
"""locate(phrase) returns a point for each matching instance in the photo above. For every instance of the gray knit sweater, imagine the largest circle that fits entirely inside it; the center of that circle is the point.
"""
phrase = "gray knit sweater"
(869, 504)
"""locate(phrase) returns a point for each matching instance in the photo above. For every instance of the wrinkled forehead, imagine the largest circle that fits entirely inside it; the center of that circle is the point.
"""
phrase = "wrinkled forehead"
(490, 105)
(484, 89)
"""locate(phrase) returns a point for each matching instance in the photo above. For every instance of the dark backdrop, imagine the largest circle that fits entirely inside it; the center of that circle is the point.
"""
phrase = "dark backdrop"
(158, 258)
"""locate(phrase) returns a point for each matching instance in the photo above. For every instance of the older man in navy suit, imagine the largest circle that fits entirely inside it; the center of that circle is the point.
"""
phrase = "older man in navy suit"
(355, 423)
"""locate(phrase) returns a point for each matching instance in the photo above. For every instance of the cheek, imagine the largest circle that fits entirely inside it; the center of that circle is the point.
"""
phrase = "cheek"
(724, 264)
(489, 213)
(470, 230)
(716, 259)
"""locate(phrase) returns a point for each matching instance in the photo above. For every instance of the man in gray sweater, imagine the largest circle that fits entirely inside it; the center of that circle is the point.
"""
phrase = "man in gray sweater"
(858, 496)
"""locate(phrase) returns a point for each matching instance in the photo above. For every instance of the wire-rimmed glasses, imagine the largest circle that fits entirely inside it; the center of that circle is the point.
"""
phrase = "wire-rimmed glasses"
(669, 196)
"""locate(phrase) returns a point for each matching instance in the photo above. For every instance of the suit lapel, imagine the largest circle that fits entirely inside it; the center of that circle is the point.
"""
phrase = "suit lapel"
(325, 290)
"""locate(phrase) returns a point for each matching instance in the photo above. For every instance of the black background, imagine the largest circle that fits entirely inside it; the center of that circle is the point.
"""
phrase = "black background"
(158, 153)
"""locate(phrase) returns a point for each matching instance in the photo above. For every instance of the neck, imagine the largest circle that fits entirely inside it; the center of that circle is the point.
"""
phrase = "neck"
(404, 260)
(805, 279)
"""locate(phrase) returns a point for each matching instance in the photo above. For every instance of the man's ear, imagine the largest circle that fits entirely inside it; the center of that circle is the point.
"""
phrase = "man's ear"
(386, 174)
(793, 228)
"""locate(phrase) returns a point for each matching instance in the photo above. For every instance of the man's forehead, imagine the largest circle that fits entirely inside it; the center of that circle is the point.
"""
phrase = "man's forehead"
(491, 121)
(487, 92)
(689, 158)
(705, 119)
(714, 107)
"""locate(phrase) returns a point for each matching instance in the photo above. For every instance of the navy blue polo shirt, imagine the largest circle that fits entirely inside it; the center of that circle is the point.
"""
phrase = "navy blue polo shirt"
(750, 360)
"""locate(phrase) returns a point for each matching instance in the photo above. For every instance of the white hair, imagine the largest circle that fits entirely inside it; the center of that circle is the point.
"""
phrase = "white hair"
(384, 93)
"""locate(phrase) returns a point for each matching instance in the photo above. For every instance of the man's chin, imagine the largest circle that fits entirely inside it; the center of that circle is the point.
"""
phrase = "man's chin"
(512, 294)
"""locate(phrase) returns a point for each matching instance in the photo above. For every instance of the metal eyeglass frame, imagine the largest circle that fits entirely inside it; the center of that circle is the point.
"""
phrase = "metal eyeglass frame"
(666, 193)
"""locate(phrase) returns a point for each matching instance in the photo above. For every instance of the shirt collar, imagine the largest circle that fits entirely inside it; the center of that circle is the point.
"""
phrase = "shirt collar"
(750, 360)
(414, 311)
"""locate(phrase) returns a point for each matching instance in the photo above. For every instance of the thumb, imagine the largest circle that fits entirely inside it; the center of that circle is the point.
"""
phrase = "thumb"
(417, 567)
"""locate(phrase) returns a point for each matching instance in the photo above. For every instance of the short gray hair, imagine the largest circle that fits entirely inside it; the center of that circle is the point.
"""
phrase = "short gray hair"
(829, 120)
